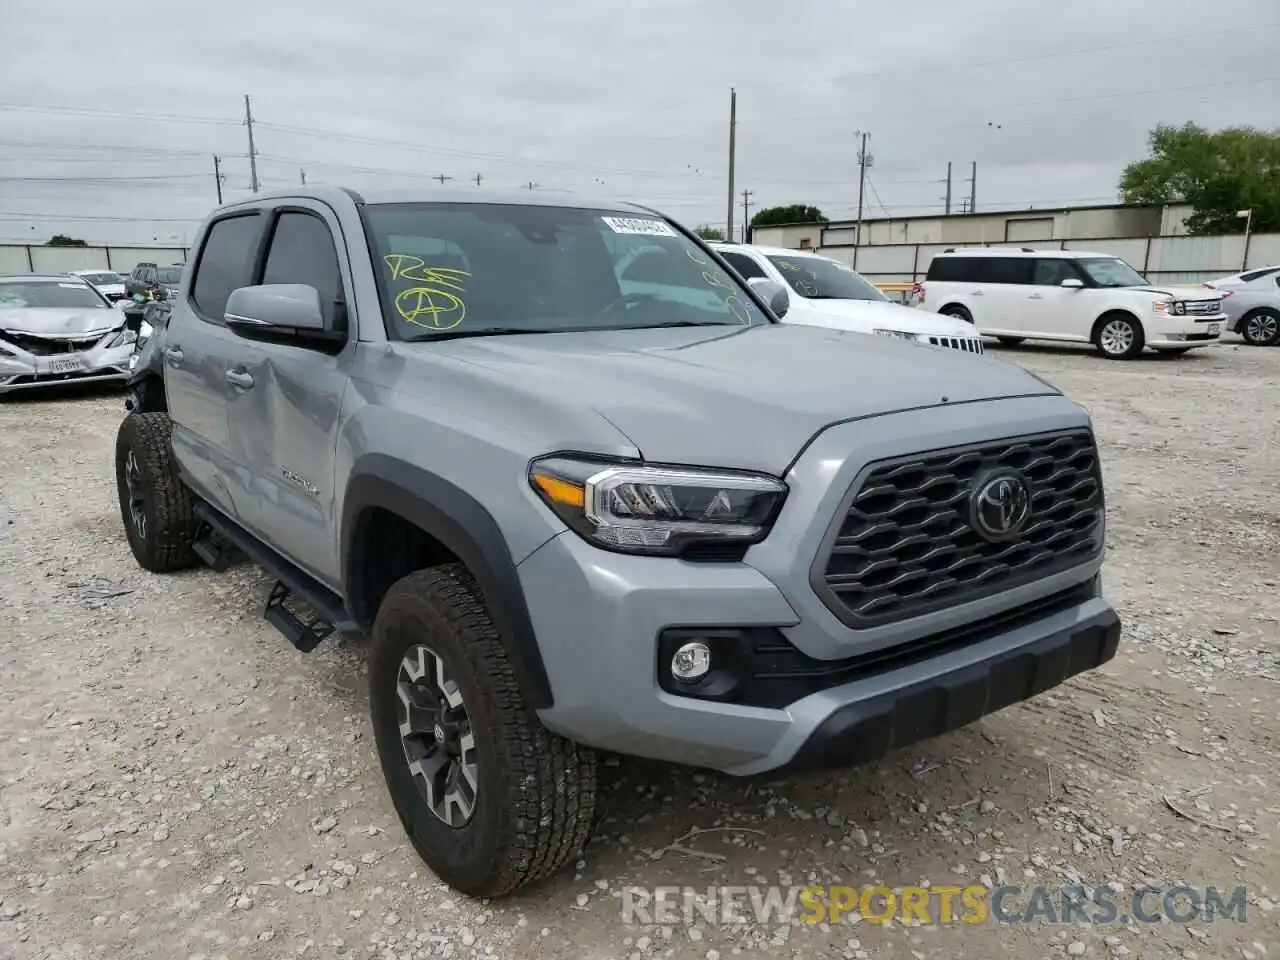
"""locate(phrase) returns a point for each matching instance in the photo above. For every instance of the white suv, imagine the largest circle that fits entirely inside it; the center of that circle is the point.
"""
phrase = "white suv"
(1019, 294)
(825, 293)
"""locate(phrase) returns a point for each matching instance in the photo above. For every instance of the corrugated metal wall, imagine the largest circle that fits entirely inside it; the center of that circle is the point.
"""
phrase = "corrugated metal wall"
(33, 259)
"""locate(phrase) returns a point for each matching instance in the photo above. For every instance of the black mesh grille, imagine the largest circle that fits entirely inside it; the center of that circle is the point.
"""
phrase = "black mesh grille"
(907, 547)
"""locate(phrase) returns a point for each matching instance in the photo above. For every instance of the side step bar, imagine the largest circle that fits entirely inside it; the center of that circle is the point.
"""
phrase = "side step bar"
(304, 632)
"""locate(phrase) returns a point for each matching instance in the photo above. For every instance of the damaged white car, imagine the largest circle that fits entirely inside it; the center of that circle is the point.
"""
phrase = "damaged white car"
(59, 329)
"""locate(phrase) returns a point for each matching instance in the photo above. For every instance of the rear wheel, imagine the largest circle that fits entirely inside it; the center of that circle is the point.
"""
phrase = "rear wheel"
(155, 505)
(490, 798)
(1118, 336)
(1261, 328)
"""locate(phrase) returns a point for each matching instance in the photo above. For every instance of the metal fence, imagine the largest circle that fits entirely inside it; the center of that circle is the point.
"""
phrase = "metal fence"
(1162, 259)
(16, 258)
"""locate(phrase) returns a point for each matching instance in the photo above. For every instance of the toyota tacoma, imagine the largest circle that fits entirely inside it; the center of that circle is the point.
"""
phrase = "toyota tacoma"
(575, 516)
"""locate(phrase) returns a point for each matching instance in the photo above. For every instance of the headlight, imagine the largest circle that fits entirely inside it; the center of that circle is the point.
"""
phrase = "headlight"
(900, 334)
(123, 337)
(1163, 306)
(632, 508)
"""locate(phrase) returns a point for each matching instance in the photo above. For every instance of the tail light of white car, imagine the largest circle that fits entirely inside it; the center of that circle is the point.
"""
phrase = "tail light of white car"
(917, 294)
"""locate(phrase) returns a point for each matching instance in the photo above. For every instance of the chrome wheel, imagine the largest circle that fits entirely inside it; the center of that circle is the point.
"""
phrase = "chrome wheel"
(1117, 337)
(1262, 328)
(137, 495)
(435, 732)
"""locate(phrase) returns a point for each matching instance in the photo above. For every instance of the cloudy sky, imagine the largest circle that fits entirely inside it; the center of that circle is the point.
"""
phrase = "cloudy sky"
(110, 115)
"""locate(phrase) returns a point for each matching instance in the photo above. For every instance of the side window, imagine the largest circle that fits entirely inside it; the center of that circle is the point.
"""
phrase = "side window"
(745, 266)
(1051, 273)
(953, 269)
(302, 251)
(1011, 270)
(225, 263)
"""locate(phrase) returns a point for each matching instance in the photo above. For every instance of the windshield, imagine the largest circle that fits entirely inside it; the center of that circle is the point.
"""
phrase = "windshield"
(468, 269)
(102, 278)
(49, 293)
(1112, 273)
(170, 276)
(819, 279)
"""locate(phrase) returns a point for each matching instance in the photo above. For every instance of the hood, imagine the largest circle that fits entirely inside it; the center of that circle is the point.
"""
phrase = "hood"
(868, 315)
(746, 398)
(70, 323)
(1181, 292)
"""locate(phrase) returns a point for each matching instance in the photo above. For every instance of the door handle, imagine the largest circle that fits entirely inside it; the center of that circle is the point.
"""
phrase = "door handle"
(976, 293)
(239, 379)
(173, 355)
(1036, 296)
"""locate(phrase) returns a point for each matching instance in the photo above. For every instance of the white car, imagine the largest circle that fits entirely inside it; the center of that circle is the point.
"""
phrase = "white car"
(1069, 295)
(822, 292)
(108, 282)
(1252, 304)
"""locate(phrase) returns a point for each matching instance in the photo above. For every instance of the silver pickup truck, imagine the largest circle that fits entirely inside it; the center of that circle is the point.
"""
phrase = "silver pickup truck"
(577, 510)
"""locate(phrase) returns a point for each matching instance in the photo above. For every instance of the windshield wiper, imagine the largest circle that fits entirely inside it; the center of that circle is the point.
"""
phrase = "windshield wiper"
(683, 323)
(477, 332)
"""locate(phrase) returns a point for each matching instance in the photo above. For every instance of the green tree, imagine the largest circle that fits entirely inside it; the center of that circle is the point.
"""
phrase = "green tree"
(795, 213)
(62, 240)
(1218, 173)
(708, 232)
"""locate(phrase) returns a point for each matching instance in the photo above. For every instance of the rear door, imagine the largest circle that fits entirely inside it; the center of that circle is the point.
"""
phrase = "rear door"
(1000, 294)
(199, 350)
(285, 403)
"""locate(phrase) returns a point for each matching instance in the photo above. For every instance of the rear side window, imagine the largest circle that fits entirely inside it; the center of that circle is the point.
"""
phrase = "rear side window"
(957, 269)
(302, 251)
(226, 262)
(746, 268)
(1006, 270)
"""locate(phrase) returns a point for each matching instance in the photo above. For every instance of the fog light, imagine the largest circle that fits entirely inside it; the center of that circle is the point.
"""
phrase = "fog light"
(691, 661)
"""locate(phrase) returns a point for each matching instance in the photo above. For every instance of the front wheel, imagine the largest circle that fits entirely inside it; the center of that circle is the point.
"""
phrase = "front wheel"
(1119, 337)
(491, 799)
(1261, 329)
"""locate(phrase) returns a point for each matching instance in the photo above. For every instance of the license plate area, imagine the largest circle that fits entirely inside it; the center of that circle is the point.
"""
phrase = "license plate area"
(66, 365)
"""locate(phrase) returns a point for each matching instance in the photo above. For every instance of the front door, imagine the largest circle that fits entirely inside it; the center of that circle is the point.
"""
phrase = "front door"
(198, 352)
(286, 401)
(1054, 311)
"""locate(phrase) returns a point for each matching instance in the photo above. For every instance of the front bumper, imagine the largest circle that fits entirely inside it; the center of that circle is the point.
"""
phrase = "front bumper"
(604, 621)
(20, 370)
(1174, 331)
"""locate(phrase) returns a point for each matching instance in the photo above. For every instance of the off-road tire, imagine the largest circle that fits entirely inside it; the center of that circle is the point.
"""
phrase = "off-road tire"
(1011, 341)
(166, 543)
(1137, 340)
(536, 791)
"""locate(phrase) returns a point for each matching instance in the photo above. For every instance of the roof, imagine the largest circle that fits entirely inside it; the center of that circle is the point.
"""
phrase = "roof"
(767, 251)
(524, 198)
(39, 277)
(1055, 252)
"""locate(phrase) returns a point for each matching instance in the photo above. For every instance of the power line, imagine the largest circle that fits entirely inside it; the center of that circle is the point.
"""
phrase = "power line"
(114, 114)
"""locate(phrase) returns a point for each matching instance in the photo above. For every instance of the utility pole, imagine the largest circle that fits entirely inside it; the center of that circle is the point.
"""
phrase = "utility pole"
(217, 176)
(746, 207)
(303, 173)
(948, 197)
(864, 161)
(733, 136)
(973, 187)
(531, 185)
(253, 152)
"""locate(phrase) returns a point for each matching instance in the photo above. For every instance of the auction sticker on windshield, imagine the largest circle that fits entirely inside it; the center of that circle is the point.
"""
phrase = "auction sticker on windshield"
(640, 225)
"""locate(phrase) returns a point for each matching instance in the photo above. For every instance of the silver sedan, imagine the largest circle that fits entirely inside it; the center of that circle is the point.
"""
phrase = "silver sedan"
(59, 329)
(1251, 302)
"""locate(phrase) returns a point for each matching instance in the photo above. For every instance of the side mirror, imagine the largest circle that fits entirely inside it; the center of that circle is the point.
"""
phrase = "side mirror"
(1073, 283)
(772, 293)
(279, 312)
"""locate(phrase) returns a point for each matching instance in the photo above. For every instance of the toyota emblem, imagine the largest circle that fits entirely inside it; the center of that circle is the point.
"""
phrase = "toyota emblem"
(1001, 505)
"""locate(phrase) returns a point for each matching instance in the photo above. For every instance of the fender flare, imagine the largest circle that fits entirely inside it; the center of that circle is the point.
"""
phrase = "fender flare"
(462, 524)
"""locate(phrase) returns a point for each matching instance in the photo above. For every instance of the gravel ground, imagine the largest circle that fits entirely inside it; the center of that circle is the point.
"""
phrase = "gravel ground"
(177, 782)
